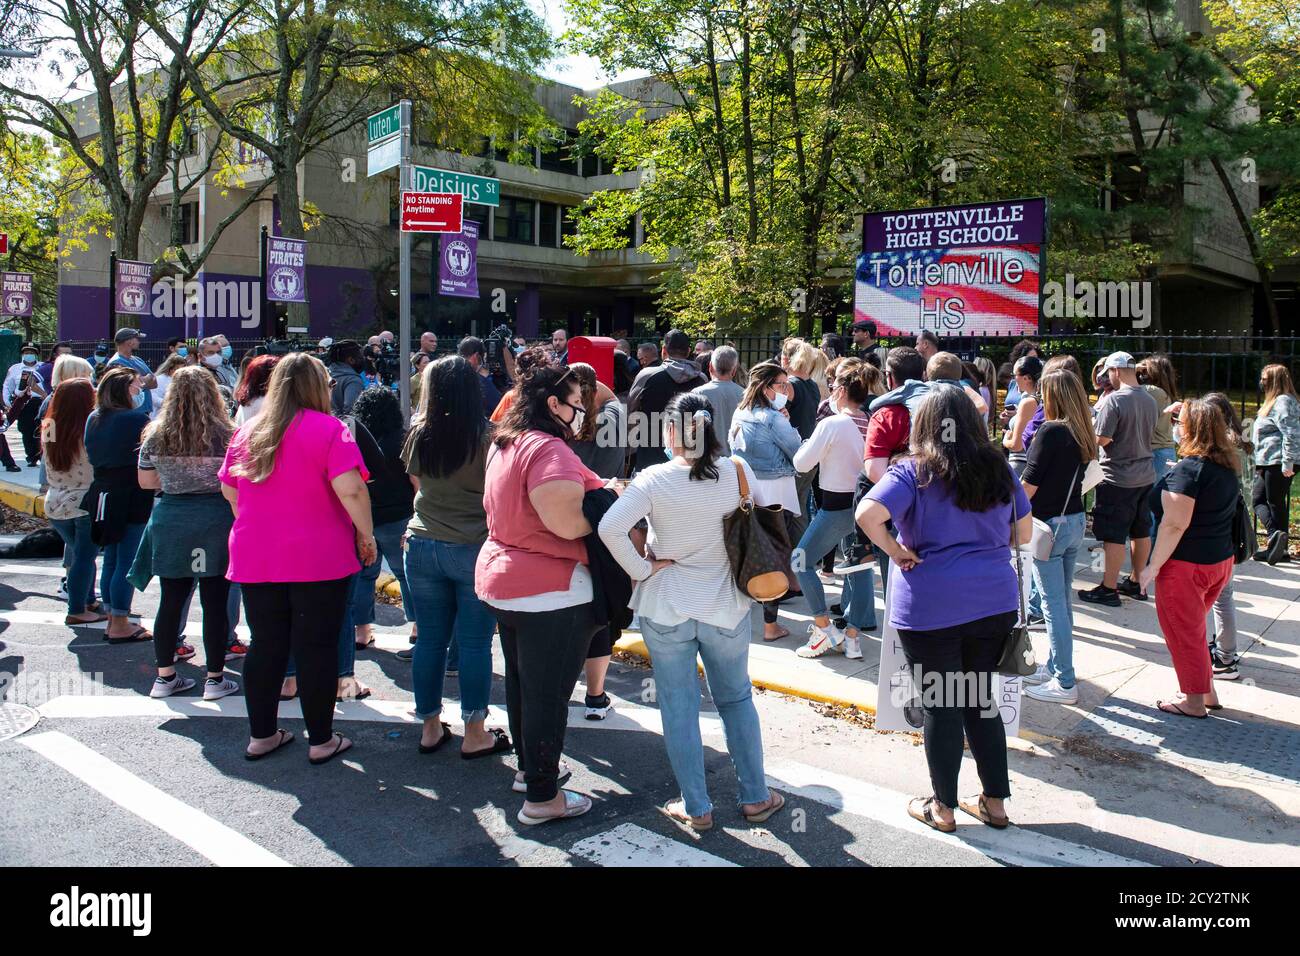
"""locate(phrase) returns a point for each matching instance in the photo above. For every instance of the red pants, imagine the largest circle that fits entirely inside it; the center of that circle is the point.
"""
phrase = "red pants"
(1185, 592)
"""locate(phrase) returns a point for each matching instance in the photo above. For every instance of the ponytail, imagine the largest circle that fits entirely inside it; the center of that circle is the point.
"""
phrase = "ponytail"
(692, 418)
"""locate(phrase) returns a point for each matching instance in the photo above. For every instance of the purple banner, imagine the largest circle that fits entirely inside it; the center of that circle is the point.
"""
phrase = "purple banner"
(16, 293)
(133, 285)
(458, 263)
(1014, 222)
(286, 270)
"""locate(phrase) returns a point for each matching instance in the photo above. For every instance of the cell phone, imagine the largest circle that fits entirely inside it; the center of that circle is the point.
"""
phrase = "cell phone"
(24, 380)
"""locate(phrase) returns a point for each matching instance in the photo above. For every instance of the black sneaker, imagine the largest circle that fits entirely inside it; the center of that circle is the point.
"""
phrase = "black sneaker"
(598, 707)
(1037, 620)
(837, 610)
(1224, 670)
(1100, 595)
(406, 655)
(858, 559)
(1277, 546)
(1131, 589)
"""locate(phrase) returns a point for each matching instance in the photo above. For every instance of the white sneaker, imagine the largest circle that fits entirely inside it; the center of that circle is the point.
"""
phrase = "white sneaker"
(1040, 676)
(1053, 692)
(217, 689)
(820, 640)
(165, 688)
(852, 648)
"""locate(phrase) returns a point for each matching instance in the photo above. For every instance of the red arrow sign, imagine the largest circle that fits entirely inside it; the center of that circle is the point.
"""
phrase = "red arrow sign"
(431, 212)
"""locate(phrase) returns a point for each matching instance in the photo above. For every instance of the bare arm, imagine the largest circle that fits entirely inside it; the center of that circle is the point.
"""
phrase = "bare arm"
(149, 479)
(1013, 439)
(872, 517)
(559, 505)
(352, 493)
(231, 495)
(1177, 516)
(876, 468)
(978, 399)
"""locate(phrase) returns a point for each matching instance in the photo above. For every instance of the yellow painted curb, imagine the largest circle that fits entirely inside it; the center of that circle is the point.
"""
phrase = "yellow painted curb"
(21, 498)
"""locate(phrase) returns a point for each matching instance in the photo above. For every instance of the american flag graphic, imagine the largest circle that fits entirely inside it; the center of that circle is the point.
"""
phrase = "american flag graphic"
(992, 306)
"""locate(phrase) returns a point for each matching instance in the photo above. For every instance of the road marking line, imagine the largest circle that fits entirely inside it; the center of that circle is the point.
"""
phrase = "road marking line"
(630, 845)
(1014, 846)
(214, 840)
(43, 570)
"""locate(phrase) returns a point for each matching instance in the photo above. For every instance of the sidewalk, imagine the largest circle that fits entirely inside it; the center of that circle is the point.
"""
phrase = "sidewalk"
(21, 490)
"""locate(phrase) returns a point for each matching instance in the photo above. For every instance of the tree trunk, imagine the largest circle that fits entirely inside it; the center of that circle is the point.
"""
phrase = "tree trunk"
(1252, 243)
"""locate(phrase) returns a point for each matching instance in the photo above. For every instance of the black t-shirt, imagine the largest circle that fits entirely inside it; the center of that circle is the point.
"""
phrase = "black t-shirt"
(1054, 464)
(1208, 538)
(803, 407)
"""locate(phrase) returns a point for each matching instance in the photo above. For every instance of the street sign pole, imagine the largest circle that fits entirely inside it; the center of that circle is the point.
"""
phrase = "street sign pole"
(112, 295)
(404, 322)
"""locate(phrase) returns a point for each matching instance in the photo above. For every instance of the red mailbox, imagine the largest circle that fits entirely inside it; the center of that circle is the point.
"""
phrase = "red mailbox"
(598, 352)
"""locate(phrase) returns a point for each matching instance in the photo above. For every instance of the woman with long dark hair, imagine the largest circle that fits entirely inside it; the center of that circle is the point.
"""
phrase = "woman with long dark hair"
(253, 385)
(69, 474)
(689, 605)
(953, 592)
(1027, 371)
(1277, 451)
(532, 571)
(187, 539)
(445, 453)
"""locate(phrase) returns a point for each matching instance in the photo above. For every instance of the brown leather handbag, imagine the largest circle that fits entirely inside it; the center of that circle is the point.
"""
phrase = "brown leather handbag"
(758, 545)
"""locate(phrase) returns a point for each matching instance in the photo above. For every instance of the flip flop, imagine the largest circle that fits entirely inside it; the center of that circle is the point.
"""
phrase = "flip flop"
(369, 643)
(500, 744)
(926, 815)
(446, 736)
(980, 811)
(777, 803)
(575, 805)
(139, 634)
(286, 738)
(675, 810)
(71, 621)
(288, 696)
(1160, 706)
(338, 749)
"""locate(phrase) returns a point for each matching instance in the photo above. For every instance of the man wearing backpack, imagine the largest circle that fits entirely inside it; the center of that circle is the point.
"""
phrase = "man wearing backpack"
(651, 391)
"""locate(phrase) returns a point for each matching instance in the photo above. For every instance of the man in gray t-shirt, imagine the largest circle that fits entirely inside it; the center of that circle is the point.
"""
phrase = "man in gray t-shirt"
(722, 392)
(1124, 420)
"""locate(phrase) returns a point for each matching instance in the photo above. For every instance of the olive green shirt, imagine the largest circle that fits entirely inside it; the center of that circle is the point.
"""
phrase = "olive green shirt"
(450, 508)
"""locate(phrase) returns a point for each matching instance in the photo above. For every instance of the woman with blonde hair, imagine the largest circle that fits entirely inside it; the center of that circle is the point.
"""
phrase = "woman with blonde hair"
(186, 539)
(1196, 504)
(1277, 450)
(1053, 480)
(295, 481)
(1158, 379)
(166, 370)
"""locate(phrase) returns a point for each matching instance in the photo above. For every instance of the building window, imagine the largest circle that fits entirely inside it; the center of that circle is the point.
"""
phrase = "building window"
(189, 224)
(568, 222)
(558, 155)
(514, 220)
(479, 213)
(548, 232)
(189, 138)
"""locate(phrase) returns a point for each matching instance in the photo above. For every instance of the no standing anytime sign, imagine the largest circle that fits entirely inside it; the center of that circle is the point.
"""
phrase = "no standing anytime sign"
(431, 212)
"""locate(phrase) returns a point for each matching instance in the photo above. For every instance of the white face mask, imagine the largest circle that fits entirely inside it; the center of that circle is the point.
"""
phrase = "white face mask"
(213, 360)
(778, 401)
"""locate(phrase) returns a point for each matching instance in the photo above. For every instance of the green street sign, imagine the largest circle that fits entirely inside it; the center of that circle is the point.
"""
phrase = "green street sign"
(384, 124)
(479, 189)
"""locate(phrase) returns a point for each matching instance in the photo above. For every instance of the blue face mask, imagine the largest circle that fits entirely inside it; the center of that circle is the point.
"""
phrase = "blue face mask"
(29, 359)
(227, 351)
(138, 399)
(182, 351)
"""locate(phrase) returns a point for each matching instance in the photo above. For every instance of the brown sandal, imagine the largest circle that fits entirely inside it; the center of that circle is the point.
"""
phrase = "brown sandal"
(980, 811)
(774, 804)
(926, 815)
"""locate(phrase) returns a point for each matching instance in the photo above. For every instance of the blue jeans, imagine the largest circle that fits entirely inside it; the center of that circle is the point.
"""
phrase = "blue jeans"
(1163, 459)
(1054, 577)
(858, 599)
(113, 585)
(347, 641)
(726, 665)
(441, 582)
(389, 539)
(822, 535)
(79, 553)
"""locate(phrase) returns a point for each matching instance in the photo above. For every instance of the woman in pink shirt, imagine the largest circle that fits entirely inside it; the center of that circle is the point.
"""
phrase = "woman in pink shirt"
(532, 571)
(296, 483)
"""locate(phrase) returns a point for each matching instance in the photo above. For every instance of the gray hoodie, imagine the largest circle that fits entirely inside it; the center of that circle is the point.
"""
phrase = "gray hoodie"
(348, 384)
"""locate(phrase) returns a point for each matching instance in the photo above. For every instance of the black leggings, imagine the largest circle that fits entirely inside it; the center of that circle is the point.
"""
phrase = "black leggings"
(168, 624)
(302, 617)
(962, 659)
(1269, 497)
(544, 652)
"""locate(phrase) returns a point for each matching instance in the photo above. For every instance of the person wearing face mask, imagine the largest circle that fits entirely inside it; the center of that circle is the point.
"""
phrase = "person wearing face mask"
(118, 506)
(128, 342)
(345, 365)
(24, 390)
(533, 573)
(762, 437)
(226, 373)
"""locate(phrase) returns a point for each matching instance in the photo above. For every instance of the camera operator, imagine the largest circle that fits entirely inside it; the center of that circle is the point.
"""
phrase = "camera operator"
(346, 360)
(474, 351)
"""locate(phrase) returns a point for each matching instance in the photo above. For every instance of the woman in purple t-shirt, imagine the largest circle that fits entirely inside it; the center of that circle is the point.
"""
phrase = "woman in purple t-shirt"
(952, 592)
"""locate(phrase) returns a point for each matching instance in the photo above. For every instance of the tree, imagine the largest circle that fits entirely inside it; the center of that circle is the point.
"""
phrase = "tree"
(27, 216)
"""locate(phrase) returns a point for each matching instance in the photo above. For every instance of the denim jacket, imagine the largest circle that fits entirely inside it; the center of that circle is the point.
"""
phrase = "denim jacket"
(911, 393)
(766, 440)
(1277, 434)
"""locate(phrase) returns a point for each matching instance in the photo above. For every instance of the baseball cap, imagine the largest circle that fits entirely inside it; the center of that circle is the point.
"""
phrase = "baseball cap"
(125, 335)
(865, 325)
(1118, 360)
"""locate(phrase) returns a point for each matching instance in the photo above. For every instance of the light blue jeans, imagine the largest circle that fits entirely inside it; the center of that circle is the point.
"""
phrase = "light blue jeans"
(445, 607)
(858, 599)
(1164, 460)
(388, 537)
(1054, 577)
(677, 687)
(822, 535)
(79, 558)
(114, 588)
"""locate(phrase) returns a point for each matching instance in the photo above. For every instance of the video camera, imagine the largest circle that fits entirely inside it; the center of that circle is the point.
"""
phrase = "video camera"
(388, 362)
(283, 347)
(497, 341)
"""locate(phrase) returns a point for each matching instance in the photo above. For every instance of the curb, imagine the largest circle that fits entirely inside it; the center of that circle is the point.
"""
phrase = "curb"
(21, 498)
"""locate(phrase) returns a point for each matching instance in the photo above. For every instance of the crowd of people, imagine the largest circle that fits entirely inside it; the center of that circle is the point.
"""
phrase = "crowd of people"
(525, 500)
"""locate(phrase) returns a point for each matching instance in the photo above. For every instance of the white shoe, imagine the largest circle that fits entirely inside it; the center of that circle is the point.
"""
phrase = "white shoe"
(519, 786)
(217, 689)
(1040, 676)
(820, 640)
(165, 688)
(1053, 693)
(852, 648)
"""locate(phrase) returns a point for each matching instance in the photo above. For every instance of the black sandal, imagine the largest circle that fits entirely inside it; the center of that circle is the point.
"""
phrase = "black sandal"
(286, 738)
(446, 736)
(1160, 706)
(499, 746)
(338, 749)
